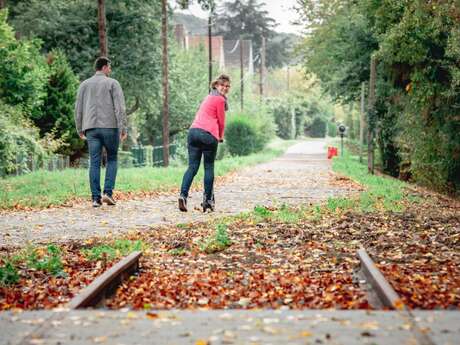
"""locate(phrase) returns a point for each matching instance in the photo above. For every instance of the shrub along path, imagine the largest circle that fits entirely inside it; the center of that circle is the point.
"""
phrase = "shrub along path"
(301, 175)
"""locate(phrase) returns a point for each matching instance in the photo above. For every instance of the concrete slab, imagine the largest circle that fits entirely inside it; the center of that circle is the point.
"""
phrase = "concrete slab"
(225, 327)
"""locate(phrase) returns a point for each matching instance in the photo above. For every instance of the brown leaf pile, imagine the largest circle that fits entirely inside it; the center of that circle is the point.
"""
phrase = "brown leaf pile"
(308, 264)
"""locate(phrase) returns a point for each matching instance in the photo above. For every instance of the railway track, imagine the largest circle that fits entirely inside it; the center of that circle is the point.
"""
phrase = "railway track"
(379, 291)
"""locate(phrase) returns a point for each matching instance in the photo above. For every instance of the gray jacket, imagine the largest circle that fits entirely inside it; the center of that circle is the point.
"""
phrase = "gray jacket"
(100, 104)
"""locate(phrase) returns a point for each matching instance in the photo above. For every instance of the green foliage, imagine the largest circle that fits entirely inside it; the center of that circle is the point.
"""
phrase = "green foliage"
(112, 251)
(57, 113)
(288, 215)
(19, 139)
(381, 192)
(416, 46)
(188, 85)
(50, 262)
(242, 136)
(262, 211)
(178, 251)
(9, 274)
(23, 71)
(318, 128)
(338, 48)
(294, 114)
(133, 30)
(217, 243)
(331, 129)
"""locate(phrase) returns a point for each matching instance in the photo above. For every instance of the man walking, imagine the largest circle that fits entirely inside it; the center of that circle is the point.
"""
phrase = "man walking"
(100, 118)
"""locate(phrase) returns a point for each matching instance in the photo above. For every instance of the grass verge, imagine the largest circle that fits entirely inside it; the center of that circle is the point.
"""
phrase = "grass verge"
(43, 189)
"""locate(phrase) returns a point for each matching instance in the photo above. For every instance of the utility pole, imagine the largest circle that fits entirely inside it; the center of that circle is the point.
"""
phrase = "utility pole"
(164, 38)
(262, 69)
(210, 48)
(362, 121)
(371, 116)
(103, 51)
(288, 76)
(241, 73)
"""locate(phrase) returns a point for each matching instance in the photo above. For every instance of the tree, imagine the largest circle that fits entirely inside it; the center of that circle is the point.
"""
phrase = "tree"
(164, 38)
(102, 28)
(418, 77)
(57, 112)
(247, 19)
(23, 71)
(132, 25)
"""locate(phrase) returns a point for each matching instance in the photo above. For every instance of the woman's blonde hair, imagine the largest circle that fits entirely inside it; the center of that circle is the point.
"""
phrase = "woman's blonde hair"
(220, 80)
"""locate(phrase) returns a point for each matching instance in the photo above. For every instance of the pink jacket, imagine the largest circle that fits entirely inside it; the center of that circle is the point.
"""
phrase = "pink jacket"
(211, 116)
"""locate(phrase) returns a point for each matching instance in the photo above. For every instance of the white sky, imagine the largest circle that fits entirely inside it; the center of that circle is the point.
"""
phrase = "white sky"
(280, 10)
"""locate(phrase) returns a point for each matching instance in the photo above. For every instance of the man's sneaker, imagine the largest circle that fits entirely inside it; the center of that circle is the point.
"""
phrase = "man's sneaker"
(108, 199)
(97, 203)
(183, 203)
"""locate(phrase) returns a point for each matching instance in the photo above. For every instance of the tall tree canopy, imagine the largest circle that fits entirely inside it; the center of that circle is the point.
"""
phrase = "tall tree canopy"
(249, 19)
(418, 98)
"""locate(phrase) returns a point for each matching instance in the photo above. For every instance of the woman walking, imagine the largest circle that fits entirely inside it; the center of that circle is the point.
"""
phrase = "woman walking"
(203, 136)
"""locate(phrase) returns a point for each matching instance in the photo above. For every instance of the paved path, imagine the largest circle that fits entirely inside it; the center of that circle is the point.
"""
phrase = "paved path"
(301, 175)
(226, 327)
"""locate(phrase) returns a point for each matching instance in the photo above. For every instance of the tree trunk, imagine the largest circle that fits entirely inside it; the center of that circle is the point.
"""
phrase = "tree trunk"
(2, 4)
(262, 69)
(288, 78)
(241, 73)
(210, 49)
(164, 37)
(103, 51)
(371, 117)
(362, 122)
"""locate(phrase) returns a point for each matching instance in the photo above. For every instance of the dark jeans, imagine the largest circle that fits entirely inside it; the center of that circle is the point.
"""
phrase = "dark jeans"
(200, 143)
(98, 138)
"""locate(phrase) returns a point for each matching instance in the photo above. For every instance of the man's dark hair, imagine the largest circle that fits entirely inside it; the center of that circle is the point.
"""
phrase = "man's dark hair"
(101, 62)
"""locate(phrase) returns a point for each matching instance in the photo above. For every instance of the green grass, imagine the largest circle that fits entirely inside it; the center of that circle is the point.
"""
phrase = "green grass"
(112, 251)
(43, 189)
(381, 192)
(218, 242)
(50, 262)
(9, 273)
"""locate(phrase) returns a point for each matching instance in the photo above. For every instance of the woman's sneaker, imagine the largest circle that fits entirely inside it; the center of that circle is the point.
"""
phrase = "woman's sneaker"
(183, 203)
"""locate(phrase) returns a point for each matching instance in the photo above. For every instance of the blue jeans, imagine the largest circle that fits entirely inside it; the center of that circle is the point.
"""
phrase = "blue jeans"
(200, 143)
(98, 138)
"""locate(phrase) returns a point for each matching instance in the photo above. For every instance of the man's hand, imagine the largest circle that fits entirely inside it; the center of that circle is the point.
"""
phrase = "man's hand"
(82, 135)
(123, 136)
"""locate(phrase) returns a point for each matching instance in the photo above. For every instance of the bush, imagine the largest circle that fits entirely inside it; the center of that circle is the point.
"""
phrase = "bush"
(318, 128)
(331, 129)
(19, 139)
(23, 71)
(57, 114)
(244, 136)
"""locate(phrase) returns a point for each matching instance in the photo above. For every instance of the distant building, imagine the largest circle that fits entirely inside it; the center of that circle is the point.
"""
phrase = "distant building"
(232, 50)
(225, 53)
(217, 46)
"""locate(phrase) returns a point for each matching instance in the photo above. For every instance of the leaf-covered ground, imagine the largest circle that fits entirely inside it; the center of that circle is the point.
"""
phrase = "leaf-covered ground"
(274, 258)
(44, 283)
(304, 259)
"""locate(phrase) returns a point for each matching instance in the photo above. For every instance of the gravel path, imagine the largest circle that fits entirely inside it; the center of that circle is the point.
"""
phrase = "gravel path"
(301, 176)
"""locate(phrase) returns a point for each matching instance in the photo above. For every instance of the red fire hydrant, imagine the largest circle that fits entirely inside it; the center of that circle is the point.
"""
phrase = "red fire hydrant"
(331, 152)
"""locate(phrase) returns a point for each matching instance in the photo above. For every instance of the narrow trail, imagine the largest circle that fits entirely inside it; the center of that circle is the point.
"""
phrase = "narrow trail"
(302, 175)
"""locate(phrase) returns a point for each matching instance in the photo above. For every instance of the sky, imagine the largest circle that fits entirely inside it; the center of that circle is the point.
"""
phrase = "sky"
(280, 10)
